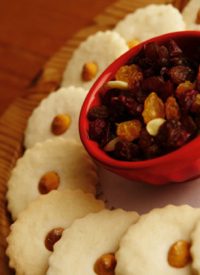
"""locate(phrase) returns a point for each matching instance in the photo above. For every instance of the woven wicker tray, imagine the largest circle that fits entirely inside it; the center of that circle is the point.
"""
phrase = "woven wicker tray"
(13, 122)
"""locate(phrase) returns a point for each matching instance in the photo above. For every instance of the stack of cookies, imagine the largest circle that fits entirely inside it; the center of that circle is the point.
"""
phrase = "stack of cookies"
(59, 225)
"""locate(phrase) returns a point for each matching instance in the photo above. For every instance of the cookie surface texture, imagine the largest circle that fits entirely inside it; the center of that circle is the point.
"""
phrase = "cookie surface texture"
(87, 240)
(98, 50)
(57, 114)
(191, 11)
(146, 248)
(65, 159)
(26, 243)
(150, 21)
(195, 248)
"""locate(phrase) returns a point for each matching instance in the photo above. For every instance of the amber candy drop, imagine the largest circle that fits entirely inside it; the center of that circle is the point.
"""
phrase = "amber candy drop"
(52, 237)
(105, 265)
(179, 254)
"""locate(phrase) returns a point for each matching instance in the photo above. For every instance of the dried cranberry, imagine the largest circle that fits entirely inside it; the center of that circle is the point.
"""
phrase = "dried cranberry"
(107, 134)
(151, 71)
(189, 125)
(164, 72)
(197, 121)
(117, 110)
(98, 112)
(106, 97)
(132, 106)
(198, 80)
(176, 61)
(154, 83)
(151, 51)
(97, 128)
(180, 74)
(145, 140)
(140, 96)
(186, 100)
(152, 151)
(167, 90)
(126, 151)
(145, 63)
(174, 49)
(172, 135)
(163, 56)
(196, 57)
(147, 145)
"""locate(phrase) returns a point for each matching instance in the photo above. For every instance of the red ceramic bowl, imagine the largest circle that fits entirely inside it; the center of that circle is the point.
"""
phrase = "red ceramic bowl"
(178, 166)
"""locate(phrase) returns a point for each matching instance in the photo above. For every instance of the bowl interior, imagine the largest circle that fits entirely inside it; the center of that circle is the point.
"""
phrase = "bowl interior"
(189, 41)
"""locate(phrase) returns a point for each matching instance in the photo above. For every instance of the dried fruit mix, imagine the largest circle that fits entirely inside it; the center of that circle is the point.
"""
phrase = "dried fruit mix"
(155, 111)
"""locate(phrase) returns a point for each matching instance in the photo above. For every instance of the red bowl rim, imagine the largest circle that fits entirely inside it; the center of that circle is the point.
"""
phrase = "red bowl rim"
(92, 147)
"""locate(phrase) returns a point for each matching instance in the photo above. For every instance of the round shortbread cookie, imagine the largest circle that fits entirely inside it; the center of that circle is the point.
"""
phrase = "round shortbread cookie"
(148, 246)
(195, 248)
(66, 159)
(100, 49)
(65, 101)
(26, 243)
(150, 21)
(193, 27)
(190, 12)
(87, 239)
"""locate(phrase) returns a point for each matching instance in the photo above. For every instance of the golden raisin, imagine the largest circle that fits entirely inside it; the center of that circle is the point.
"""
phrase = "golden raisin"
(60, 124)
(48, 182)
(196, 104)
(183, 87)
(105, 265)
(124, 73)
(132, 43)
(129, 130)
(135, 80)
(89, 71)
(179, 254)
(153, 108)
(172, 110)
(52, 237)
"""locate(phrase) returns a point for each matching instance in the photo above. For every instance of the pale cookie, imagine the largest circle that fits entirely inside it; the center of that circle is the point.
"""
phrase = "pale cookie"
(33, 235)
(53, 164)
(191, 12)
(193, 27)
(159, 243)
(150, 21)
(92, 57)
(90, 240)
(57, 115)
(195, 248)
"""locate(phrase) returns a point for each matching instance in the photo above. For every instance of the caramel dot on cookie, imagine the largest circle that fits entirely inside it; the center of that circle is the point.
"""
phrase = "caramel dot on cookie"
(89, 71)
(48, 182)
(60, 124)
(105, 265)
(52, 237)
(179, 254)
(132, 43)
